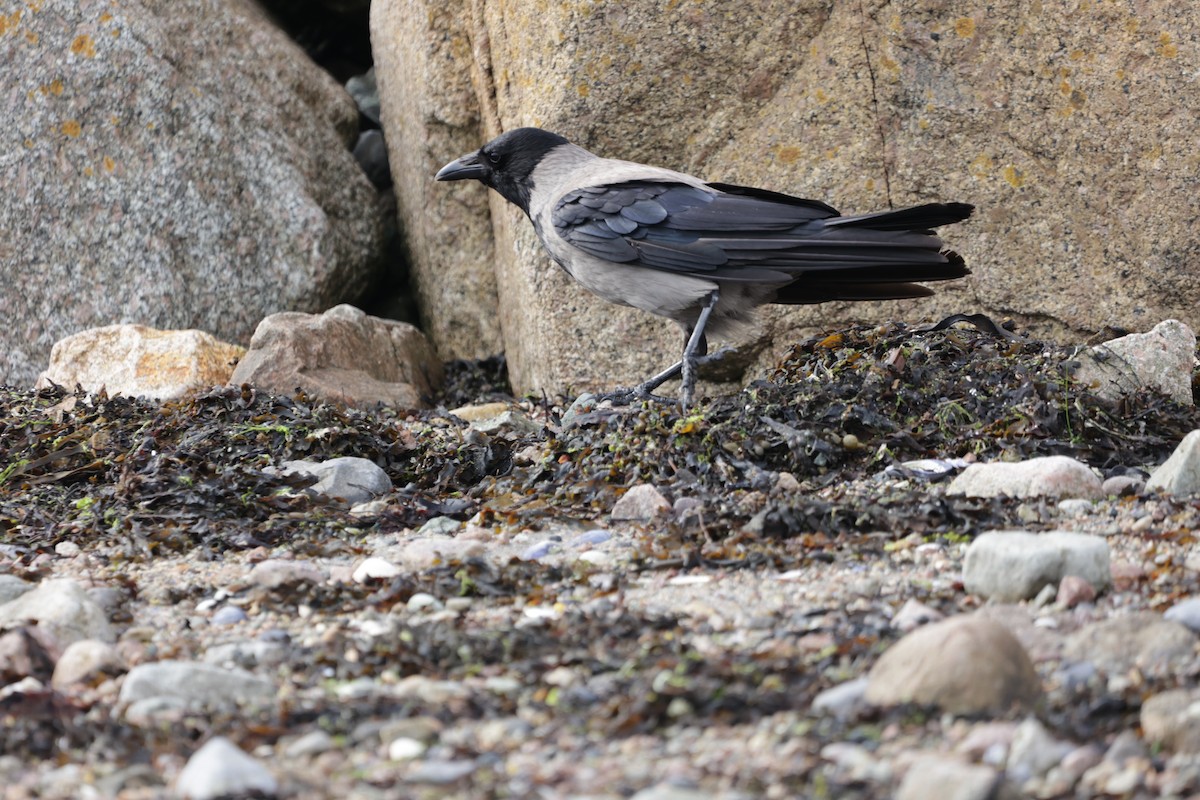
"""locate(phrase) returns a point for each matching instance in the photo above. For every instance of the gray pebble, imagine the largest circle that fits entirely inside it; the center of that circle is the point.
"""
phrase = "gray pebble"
(1122, 485)
(842, 701)
(228, 615)
(1015, 565)
(353, 480)
(440, 772)
(312, 743)
(1186, 613)
(439, 526)
(589, 538)
(539, 550)
(196, 684)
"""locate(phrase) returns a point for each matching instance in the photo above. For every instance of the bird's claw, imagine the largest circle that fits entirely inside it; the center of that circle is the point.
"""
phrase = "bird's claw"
(625, 397)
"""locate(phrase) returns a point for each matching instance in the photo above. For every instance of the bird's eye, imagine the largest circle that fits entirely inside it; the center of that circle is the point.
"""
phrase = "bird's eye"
(491, 157)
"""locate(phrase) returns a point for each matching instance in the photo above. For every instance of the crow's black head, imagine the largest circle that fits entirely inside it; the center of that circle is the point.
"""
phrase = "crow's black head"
(506, 163)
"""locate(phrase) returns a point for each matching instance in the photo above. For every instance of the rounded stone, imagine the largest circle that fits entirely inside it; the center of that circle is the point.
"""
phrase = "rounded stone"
(964, 665)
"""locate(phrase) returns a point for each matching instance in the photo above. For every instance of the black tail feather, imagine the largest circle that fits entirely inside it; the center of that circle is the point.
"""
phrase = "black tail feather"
(917, 218)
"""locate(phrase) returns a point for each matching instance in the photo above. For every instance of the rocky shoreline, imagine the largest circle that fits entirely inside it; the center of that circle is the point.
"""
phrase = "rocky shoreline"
(799, 590)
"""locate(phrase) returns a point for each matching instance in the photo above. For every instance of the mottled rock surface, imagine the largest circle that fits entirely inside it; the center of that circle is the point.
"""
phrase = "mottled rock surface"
(964, 664)
(137, 361)
(63, 609)
(343, 355)
(1179, 474)
(1163, 358)
(1049, 476)
(178, 165)
(1016, 565)
(1071, 133)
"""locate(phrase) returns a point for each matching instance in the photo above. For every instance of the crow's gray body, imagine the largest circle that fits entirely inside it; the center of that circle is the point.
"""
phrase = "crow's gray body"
(705, 255)
(672, 294)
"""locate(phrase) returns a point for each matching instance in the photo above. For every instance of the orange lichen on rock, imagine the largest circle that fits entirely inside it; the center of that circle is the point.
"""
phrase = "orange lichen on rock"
(84, 46)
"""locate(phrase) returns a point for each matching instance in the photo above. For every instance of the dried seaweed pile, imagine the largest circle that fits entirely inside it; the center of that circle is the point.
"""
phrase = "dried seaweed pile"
(184, 474)
(197, 472)
(852, 402)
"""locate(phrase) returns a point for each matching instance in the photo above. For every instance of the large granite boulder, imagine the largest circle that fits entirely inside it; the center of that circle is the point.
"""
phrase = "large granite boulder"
(174, 164)
(1071, 132)
(423, 65)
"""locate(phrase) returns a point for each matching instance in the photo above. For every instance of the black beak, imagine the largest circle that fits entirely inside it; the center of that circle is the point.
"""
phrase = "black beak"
(462, 169)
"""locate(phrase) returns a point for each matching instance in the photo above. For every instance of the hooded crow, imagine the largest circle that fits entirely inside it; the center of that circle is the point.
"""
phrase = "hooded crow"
(705, 255)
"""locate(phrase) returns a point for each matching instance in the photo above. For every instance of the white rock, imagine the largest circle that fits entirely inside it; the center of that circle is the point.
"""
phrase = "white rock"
(421, 601)
(843, 700)
(67, 549)
(946, 778)
(1180, 473)
(63, 608)
(1033, 752)
(375, 567)
(1016, 565)
(275, 572)
(83, 660)
(1050, 476)
(405, 749)
(221, 769)
(196, 685)
(1186, 613)
(354, 480)
(913, 614)
(1163, 358)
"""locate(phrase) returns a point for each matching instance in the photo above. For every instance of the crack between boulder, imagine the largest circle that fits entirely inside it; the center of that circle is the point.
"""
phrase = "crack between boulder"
(862, 36)
(483, 76)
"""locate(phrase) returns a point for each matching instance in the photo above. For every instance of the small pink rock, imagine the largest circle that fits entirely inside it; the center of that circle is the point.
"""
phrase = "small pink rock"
(641, 503)
(1073, 590)
(914, 614)
(1126, 575)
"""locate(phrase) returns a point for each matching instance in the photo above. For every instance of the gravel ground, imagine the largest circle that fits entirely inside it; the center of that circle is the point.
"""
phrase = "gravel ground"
(640, 604)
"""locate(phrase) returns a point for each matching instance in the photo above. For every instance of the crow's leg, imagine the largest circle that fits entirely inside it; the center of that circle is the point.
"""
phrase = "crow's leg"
(694, 350)
(695, 353)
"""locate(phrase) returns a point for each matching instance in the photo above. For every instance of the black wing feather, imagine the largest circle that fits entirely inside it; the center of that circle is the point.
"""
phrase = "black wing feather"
(737, 233)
